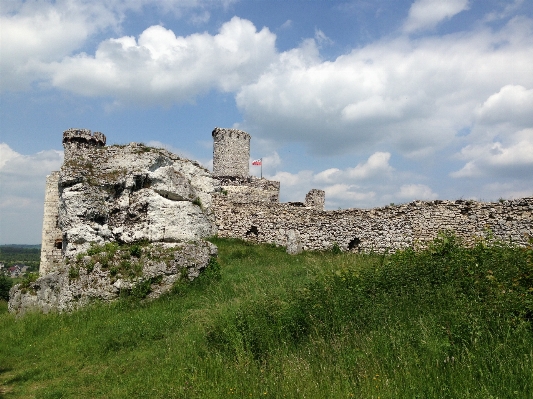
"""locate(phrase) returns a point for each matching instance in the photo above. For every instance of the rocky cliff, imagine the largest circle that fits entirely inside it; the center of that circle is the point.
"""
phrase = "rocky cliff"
(132, 193)
(110, 200)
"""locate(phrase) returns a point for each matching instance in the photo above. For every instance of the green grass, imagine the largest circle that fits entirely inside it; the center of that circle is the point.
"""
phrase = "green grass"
(445, 323)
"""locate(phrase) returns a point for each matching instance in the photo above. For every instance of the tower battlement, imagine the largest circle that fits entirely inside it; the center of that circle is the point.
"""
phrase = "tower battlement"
(231, 152)
(77, 139)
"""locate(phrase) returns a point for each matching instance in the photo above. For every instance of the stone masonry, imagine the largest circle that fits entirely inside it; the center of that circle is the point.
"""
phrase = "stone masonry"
(315, 199)
(51, 242)
(231, 152)
(380, 229)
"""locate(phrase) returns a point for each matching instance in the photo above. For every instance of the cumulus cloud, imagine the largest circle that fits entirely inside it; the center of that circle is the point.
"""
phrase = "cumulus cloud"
(340, 194)
(512, 158)
(513, 103)
(416, 192)
(160, 67)
(22, 183)
(35, 33)
(426, 14)
(371, 183)
(412, 95)
(377, 165)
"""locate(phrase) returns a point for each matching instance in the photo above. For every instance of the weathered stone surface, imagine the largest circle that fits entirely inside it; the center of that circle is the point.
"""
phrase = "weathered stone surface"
(52, 237)
(97, 278)
(250, 189)
(231, 152)
(294, 242)
(315, 199)
(383, 229)
(115, 195)
(132, 193)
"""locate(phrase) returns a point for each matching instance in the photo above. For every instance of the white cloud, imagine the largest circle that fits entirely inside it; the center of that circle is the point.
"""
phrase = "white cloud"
(322, 39)
(426, 14)
(22, 183)
(35, 33)
(409, 95)
(6, 155)
(512, 158)
(371, 183)
(286, 25)
(510, 189)
(416, 192)
(377, 165)
(513, 103)
(340, 194)
(162, 68)
(41, 31)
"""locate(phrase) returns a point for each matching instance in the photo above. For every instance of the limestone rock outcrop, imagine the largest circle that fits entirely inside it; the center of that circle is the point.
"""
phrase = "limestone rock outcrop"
(132, 193)
(111, 271)
(118, 219)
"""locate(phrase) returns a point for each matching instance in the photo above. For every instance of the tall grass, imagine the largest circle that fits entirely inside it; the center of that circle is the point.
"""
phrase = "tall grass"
(446, 322)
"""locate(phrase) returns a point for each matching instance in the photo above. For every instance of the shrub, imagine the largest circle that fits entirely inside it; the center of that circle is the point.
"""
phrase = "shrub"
(73, 273)
(5, 285)
(136, 250)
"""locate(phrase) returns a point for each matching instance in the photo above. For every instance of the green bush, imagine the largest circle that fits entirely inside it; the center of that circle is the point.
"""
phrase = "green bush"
(5, 285)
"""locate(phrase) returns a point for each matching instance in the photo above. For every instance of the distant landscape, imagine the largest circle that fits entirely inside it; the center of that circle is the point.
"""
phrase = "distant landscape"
(17, 254)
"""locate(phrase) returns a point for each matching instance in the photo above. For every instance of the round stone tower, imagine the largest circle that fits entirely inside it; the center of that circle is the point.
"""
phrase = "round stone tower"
(231, 152)
(76, 140)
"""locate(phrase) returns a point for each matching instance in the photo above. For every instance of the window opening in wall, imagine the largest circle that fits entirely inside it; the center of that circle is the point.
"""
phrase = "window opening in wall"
(58, 244)
(354, 243)
(253, 230)
(466, 211)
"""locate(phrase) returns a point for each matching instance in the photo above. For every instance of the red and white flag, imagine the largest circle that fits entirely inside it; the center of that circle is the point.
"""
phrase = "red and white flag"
(257, 162)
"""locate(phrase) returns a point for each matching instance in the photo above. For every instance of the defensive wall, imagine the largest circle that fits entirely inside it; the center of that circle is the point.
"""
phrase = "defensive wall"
(249, 189)
(248, 208)
(380, 229)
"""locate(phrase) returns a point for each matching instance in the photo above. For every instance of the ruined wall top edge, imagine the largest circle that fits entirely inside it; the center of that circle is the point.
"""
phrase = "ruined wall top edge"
(75, 135)
(241, 134)
(250, 181)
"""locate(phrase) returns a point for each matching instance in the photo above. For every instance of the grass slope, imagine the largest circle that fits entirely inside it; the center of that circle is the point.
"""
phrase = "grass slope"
(445, 323)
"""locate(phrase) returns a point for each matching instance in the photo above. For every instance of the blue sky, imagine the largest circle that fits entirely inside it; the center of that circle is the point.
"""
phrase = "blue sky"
(373, 101)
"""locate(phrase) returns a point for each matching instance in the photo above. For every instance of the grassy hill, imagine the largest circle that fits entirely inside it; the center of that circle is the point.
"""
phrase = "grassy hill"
(445, 323)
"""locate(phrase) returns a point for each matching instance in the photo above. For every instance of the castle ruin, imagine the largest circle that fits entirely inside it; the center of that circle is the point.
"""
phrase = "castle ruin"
(124, 197)
(248, 208)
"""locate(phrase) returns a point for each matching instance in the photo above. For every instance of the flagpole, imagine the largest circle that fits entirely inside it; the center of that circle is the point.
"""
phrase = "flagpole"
(261, 168)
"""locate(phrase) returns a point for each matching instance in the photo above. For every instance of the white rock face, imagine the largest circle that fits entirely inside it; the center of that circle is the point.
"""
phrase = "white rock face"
(143, 212)
(132, 193)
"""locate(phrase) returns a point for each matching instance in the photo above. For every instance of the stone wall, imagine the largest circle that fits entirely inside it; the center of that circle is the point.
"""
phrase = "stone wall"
(75, 141)
(250, 189)
(315, 199)
(231, 152)
(380, 229)
(51, 235)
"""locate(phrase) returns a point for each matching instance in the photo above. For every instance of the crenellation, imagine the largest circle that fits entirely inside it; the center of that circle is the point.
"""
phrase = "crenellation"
(79, 140)
(231, 152)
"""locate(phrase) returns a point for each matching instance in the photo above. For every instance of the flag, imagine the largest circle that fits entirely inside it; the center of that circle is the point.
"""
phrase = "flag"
(257, 162)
